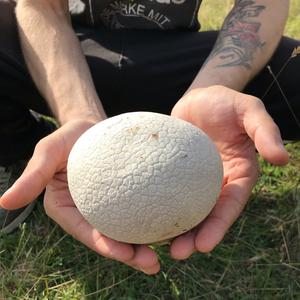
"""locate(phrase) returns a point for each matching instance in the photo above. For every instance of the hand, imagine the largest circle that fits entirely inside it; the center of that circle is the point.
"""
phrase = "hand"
(238, 124)
(47, 169)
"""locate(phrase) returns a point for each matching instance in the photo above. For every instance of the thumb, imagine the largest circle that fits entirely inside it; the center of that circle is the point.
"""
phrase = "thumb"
(265, 133)
(39, 171)
(50, 156)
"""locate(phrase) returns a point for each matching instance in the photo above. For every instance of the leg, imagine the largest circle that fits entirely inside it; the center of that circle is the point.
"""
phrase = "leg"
(160, 67)
(143, 70)
(19, 129)
(152, 70)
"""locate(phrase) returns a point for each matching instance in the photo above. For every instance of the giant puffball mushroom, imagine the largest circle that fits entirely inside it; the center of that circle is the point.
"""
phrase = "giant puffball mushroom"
(144, 177)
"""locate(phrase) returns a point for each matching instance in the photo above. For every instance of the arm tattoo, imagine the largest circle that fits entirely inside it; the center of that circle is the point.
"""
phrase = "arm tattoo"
(239, 39)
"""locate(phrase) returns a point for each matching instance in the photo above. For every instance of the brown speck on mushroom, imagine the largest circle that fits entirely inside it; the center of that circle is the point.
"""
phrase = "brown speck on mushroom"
(155, 136)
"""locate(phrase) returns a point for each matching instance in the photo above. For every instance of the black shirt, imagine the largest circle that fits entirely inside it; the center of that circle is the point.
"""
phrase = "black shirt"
(137, 14)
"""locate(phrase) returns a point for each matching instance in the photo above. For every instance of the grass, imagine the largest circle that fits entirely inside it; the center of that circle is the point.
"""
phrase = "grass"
(212, 20)
(258, 259)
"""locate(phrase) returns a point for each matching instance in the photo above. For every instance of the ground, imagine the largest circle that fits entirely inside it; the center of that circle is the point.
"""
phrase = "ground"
(258, 259)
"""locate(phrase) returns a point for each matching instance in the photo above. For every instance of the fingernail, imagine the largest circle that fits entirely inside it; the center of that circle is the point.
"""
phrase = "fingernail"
(281, 146)
(151, 270)
(6, 192)
(138, 268)
(144, 271)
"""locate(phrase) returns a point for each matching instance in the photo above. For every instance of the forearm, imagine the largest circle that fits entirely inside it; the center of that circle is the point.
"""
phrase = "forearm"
(247, 40)
(55, 60)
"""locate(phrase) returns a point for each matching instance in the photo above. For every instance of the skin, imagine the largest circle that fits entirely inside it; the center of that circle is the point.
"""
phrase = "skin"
(237, 123)
(239, 37)
(246, 42)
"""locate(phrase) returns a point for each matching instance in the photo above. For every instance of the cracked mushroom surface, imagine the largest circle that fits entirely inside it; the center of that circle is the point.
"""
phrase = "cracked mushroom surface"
(144, 177)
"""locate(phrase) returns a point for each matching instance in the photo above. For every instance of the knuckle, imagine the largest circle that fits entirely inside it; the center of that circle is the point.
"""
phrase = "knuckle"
(45, 144)
(256, 102)
(41, 145)
(191, 95)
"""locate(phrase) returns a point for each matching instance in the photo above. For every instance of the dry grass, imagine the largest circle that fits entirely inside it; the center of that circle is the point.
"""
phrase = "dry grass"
(259, 258)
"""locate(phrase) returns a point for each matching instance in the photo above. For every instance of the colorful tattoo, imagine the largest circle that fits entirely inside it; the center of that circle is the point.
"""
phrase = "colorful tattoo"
(239, 39)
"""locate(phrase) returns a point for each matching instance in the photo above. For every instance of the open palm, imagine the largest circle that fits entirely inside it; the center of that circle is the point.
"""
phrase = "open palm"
(238, 124)
(47, 168)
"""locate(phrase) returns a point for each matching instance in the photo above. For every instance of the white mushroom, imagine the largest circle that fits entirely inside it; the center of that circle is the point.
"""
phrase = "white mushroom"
(144, 177)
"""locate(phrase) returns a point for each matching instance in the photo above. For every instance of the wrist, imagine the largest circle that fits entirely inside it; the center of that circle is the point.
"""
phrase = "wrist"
(92, 117)
(209, 76)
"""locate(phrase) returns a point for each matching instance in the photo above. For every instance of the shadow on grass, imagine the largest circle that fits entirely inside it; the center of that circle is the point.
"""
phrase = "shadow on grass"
(258, 259)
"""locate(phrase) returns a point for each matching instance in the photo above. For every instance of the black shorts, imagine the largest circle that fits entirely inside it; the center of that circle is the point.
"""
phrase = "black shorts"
(132, 70)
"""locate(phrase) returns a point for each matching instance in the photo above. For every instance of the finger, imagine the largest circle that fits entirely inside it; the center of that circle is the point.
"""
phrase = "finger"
(265, 133)
(151, 270)
(228, 208)
(37, 174)
(70, 219)
(50, 155)
(183, 246)
(145, 260)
